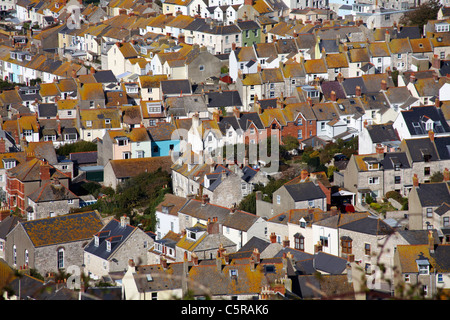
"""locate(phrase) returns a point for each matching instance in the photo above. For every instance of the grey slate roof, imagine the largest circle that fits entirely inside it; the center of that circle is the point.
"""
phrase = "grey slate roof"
(421, 148)
(382, 133)
(304, 191)
(391, 159)
(176, 87)
(239, 220)
(105, 76)
(417, 115)
(47, 110)
(227, 98)
(369, 225)
(114, 231)
(433, 194)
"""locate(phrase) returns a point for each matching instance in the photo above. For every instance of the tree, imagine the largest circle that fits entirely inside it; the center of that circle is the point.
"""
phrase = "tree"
(79, 146)
(420, 16)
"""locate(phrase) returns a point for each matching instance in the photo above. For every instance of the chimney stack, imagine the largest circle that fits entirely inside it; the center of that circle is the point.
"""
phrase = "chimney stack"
(286, 242)
(205, 199)
(358, 91)
(431, 241)
(273, 237)
(124, 221)
(44, 171)
(2, 145)
(304, 174)
(334, 210)
(383, 85)
(431, 135)
(333, 95)
(415, 180)
(213, 226)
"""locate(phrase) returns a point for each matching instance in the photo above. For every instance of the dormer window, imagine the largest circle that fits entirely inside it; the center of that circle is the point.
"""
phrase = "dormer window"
(122, 141)
(423, 265)
(108, 245)
(373, 166)
(9, 163)
(96, 241)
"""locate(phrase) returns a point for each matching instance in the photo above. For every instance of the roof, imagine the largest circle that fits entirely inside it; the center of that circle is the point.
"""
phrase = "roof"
(115, 233)
(127, 168)
(433, 194)
(173, 204)
(369, 225)
(63, 229)
(176, 87)
(304, 191)
(238, 219)
(382, 133)
(52, 191)
(30, 171)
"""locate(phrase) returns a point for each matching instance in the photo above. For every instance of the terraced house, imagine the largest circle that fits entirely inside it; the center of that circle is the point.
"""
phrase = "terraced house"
(52, 244)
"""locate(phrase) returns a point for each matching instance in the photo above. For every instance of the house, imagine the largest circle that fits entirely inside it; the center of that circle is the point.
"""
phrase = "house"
(251, 32)
(299, 195)
(110, 249)
(167, 215)
(124, 144)
(51, 199)
(222, 277)
(295, 226)
(237, 225)
(421, 268)
(244, 59)
(26, 178)
(164, 139)
(201, 64)
(418, 121)
(117, 171)
(204, 242)
(428, 207)
(377, 173)
(119, 57)
(374, 135)
(93, 123)
(51, 244)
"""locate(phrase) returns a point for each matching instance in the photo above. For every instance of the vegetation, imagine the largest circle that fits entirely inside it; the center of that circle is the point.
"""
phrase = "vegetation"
(137, 197)
(248, 204)
(79, 146)
(422, 14)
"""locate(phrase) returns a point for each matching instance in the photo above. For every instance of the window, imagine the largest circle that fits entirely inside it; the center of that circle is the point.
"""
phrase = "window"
(278, 199)
(346, 245)
(60, 258)
(373, 166)
(140, 154)
(397, 179)
(423, 266)
(367, 268)
(107, 121)
(126, 155)
(374, 180)
(446, 222)
(406, 278)
(440, 277)
(299, 242)
(426, 171)
(88, 123)
(429, 212)
(299, 121)
(70, 201)
(201, 67)
(324, 241)
(299, 134)
(311, 203)
(367, 249)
